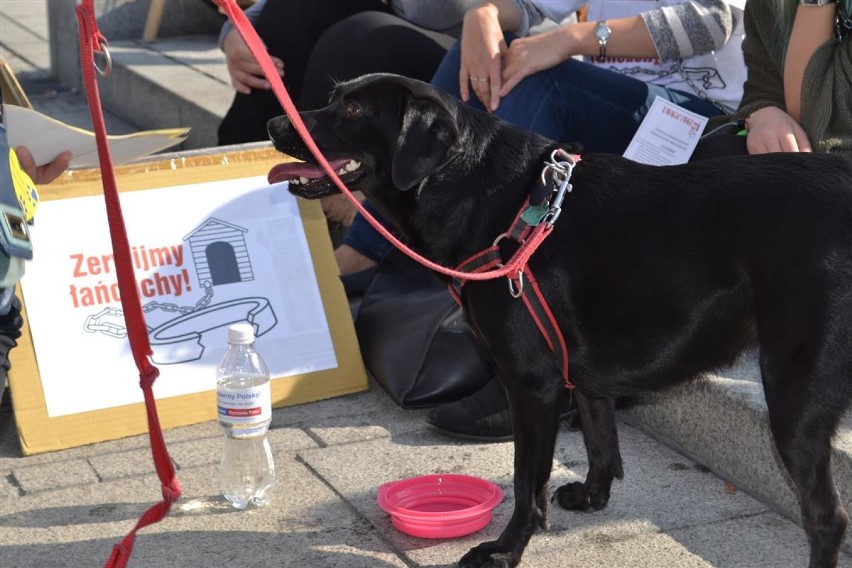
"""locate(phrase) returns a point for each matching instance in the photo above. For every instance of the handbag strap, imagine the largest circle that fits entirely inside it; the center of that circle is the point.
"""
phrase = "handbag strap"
(91, 41)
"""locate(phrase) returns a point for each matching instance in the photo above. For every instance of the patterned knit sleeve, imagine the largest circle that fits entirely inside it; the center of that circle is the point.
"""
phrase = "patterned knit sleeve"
(689, 28)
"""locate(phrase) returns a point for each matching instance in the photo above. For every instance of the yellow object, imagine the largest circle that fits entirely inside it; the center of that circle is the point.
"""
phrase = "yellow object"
(25, 189)
(40, 432)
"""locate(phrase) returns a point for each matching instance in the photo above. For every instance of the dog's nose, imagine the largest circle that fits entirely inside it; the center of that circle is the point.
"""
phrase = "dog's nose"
(275, 126)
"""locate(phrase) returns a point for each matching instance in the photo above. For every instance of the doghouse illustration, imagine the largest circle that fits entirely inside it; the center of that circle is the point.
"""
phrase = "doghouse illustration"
(219, 252)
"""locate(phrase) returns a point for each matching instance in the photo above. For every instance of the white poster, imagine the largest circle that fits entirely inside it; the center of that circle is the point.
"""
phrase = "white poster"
(205, 256)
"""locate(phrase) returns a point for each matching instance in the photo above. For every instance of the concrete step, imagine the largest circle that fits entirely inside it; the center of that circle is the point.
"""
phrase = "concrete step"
(722, 423)
(173, 82)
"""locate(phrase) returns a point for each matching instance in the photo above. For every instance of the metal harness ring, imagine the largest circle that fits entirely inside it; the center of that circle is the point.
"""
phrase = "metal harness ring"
(108, 68)
(513, 291)
(519, 291)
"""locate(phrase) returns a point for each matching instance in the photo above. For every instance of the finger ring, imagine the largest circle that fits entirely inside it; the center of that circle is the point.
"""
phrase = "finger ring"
(479, 79)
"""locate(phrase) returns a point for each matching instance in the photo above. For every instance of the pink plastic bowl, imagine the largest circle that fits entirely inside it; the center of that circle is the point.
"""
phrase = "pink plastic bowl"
(442, 505)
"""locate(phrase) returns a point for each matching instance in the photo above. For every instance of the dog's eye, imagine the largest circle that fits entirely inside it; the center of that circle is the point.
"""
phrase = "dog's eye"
(353, 110)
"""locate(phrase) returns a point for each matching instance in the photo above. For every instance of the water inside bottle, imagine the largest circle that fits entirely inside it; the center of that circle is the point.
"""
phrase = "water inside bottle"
(247, 472)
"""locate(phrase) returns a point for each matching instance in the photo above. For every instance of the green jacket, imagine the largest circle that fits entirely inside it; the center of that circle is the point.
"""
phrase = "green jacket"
(826, 114)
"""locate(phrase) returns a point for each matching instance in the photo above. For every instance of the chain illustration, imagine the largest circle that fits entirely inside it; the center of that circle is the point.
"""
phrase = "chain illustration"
(705, 74)
(95, 324)
(98, 323)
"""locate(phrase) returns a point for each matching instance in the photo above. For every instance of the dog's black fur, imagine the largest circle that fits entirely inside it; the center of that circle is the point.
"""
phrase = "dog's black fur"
(655, 274)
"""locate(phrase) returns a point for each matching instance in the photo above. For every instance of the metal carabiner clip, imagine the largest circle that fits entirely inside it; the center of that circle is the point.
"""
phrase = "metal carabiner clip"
(516, 292)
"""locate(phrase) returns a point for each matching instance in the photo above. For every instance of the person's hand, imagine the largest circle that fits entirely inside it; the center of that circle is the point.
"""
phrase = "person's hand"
(770, 129)
(529, 55)
(46, 173)
(482, 49)
(244, 70)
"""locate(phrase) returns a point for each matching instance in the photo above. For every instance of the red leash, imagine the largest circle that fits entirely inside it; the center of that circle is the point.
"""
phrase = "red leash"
(92, 41)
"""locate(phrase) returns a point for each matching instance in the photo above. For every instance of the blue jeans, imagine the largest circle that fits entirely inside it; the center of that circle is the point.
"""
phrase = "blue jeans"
(576, 102)
(572, 102)
(362, 237)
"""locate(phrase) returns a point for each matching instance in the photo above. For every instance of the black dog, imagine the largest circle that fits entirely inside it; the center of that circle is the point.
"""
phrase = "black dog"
(654, 274)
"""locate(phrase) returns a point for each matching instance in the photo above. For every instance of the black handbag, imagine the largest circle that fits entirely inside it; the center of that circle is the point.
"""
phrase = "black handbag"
(414, 338)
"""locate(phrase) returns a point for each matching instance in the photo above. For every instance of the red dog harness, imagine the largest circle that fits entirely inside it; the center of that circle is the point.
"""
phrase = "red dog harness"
(532, 224)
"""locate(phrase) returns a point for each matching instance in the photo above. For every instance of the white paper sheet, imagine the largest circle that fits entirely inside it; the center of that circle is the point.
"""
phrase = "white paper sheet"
(205, 255)
(46, 138)
(667, 136)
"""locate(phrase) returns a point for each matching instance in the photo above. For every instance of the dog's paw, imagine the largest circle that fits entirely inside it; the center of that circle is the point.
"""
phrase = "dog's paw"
(489, 555)
(576, 497)
(572, 496)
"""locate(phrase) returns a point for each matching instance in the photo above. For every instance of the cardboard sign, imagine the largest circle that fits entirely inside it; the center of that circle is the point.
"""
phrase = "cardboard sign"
(212, 243)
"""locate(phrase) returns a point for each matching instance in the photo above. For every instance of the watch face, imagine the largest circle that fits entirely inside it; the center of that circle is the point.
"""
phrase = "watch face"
(602, 31)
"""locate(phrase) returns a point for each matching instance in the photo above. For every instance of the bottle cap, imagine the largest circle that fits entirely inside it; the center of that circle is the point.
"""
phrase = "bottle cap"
(241, 334)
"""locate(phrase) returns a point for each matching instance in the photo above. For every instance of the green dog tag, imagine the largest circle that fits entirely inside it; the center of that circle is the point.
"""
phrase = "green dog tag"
(534, 214)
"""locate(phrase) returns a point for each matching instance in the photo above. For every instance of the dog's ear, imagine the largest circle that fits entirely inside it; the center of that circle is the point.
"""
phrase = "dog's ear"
(426, 141)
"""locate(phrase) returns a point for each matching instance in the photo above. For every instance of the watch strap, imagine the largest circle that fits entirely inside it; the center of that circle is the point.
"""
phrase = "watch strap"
(602, 33)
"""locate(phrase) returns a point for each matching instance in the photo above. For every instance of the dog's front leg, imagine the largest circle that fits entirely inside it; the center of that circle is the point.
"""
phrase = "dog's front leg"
(597, 419)
(535, 423)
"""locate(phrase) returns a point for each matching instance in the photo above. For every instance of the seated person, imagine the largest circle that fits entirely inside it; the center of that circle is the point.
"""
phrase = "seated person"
(799, 60)
(313, 44)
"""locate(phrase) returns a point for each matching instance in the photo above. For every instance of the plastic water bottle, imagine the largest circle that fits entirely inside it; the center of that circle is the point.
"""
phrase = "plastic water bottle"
(247, 472)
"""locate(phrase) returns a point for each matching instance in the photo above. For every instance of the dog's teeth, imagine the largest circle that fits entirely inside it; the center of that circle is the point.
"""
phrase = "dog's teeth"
(303, 180)
(352, 165)
(341, 171)
(293, 182)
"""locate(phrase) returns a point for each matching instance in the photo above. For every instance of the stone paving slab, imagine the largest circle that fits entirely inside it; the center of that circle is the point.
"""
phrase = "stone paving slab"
(307, 525)
(723, 422)
(77, 525)
(331, 455)
(662, 492)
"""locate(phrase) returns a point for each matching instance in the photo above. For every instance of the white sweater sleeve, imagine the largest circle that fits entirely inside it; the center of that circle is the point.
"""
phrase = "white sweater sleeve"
(555, 10)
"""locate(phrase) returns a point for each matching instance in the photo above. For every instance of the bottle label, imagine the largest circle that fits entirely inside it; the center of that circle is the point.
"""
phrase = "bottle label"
(244, 405)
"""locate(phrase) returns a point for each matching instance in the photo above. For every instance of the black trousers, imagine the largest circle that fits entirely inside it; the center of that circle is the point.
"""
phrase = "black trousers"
(324, 41)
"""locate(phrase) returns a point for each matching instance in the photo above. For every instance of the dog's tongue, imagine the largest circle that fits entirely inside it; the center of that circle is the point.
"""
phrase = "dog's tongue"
(293, 170)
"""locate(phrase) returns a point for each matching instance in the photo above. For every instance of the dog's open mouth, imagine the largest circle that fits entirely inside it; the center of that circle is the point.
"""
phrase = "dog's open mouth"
(310, 180)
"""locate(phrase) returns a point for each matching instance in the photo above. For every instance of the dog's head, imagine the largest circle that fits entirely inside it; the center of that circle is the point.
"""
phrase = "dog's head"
(380, 133)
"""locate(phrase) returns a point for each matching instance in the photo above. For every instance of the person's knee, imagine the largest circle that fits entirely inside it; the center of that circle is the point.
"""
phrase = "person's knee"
(370, 42)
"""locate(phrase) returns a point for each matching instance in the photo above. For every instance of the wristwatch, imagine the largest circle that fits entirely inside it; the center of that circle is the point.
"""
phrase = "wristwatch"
(816, 2)
(603, 31)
